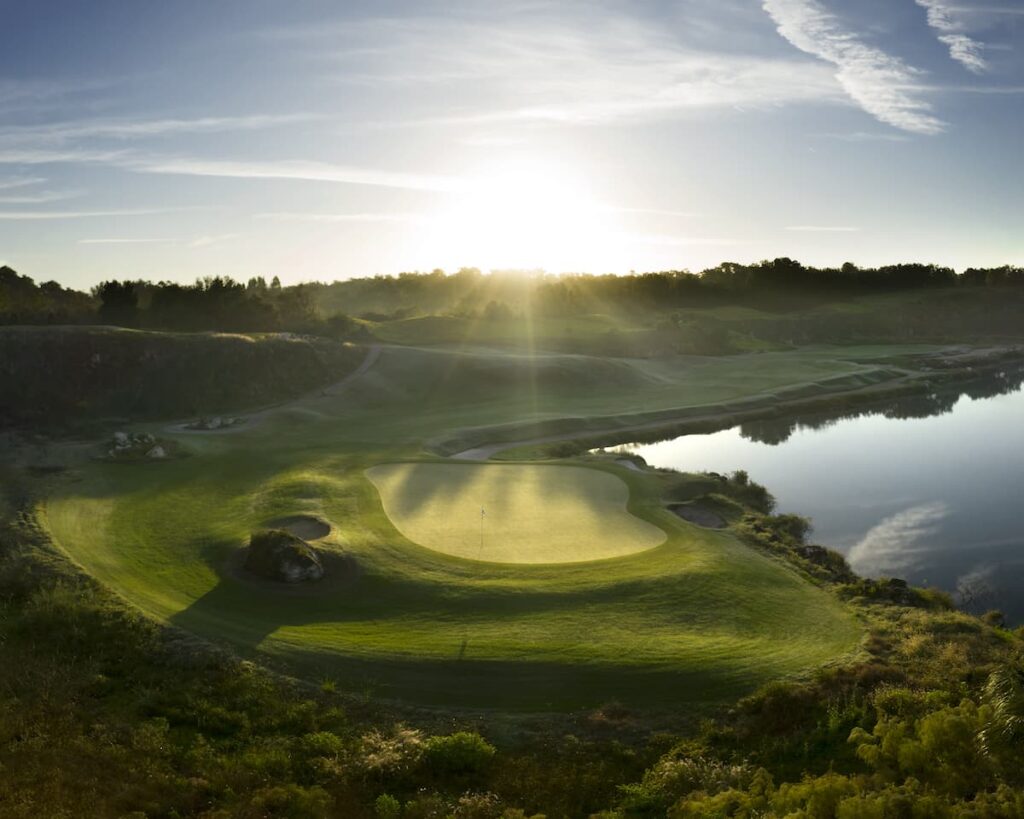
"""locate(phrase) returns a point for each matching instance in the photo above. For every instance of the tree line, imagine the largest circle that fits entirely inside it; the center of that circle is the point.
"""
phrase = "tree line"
(221, 303)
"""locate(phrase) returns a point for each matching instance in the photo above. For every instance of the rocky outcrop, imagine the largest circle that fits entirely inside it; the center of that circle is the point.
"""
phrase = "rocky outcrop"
(133, 446)
(279, 555)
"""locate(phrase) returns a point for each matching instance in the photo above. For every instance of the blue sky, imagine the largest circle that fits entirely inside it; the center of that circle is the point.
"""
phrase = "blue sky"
(322, 140)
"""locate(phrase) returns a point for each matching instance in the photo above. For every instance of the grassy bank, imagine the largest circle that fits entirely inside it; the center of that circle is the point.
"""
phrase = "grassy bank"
(61, 376)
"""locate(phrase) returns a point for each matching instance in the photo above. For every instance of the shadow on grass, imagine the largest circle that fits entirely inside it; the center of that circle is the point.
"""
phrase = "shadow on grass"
(460, 680)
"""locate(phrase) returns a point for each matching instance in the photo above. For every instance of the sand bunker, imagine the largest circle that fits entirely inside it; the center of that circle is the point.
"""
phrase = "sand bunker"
(699, 515)
(305, 526)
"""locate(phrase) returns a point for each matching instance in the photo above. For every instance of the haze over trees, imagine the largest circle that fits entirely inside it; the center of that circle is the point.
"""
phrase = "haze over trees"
(221, 303)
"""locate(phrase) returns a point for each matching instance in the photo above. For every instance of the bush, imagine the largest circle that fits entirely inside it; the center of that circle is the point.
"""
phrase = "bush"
(457, 754)
(387, 807)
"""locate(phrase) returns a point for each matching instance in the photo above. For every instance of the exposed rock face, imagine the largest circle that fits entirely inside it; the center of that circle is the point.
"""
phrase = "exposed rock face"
(156, 452)
(279, 555)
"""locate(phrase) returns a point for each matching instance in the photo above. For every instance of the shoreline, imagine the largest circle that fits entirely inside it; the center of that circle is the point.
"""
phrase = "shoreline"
(704, 419)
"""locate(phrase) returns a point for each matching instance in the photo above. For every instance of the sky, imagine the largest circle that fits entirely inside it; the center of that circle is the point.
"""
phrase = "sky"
(325, 140)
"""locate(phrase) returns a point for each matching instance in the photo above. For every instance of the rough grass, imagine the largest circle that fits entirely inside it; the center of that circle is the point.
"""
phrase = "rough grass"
(699, 619)
(514, 331)
(531, 514)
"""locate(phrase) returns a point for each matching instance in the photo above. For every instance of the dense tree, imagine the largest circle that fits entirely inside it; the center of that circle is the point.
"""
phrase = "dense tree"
(22, 301)
(119, 303)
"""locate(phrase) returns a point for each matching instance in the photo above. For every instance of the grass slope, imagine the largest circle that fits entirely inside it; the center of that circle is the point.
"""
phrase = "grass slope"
(532, 514)
(62, 375)
(699, 619)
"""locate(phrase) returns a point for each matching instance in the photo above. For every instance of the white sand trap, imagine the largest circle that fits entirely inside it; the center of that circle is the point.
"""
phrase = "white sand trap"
(532, 513)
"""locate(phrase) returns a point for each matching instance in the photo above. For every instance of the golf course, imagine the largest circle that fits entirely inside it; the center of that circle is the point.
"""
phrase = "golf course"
(551, 585)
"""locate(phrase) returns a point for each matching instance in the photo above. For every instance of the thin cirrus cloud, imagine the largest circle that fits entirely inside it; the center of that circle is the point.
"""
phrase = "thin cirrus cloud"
(289, 169)
(962, 48)
(588, 74)
(823, 229)
(883, 85)
(38, 198)
(199, 241)
(20, 182)
(140, 128)
(306, 170)
(38, 215)
(125, 241)
(339, 217)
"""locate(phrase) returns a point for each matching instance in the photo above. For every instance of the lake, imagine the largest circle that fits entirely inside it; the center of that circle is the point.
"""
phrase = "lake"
(928, 488)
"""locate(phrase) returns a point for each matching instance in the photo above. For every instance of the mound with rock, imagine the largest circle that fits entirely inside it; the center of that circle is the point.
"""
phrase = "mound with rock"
(279, 555)
(124, 446)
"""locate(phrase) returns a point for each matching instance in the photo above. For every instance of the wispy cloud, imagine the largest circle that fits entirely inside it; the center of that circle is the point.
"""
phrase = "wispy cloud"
(124, 129)
(120, 241)
(1008, 11)
(883, 85)
(867, 136)
(38, 198)
(199, 241)
(962, 48)
(236, 169)
(823, 229)
(600, 71)
(35, 215)
(21, 182)
(896, 544)
(48, 156)
(340, 217)
(288, 169)
(669, 240)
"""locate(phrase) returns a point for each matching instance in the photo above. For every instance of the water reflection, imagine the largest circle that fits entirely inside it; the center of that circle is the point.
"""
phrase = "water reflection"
(925, 487)
(775, 431)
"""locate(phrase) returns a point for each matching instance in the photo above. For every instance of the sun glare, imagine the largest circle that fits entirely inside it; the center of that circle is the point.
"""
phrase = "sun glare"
(526, 215)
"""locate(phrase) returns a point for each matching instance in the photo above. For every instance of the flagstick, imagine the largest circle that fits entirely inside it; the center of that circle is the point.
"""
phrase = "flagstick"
(481, 551)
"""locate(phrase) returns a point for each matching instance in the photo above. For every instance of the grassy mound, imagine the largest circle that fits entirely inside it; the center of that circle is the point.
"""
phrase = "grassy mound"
(306, 527)
(57, 375)
(531, 514)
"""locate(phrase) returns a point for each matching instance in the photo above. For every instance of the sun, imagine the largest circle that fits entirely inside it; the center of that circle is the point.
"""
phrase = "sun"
(528, 215)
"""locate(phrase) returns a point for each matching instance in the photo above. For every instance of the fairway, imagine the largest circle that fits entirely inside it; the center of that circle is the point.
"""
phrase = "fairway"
(513, 513)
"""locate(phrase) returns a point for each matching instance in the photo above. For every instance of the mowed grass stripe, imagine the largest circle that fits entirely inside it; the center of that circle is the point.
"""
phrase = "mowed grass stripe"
(514, 513)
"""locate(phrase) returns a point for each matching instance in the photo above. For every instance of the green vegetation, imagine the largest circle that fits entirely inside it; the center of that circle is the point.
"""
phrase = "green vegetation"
(412, 623)
(101, 708)
(700, 673)
(513, 514)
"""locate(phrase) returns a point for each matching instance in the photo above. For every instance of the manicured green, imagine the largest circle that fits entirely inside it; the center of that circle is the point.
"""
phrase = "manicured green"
(516, 513)
(697, 620)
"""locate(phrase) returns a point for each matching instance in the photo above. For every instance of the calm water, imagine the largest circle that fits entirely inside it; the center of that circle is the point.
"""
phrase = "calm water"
(928, 489)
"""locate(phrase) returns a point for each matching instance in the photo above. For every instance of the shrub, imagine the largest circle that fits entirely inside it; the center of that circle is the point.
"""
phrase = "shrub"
(460, 753)
(291, 801)
(387, 807)
(391, 753)
(321, 743)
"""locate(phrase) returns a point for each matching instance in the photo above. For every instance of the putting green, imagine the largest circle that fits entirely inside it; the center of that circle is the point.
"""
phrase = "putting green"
(514, 513)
